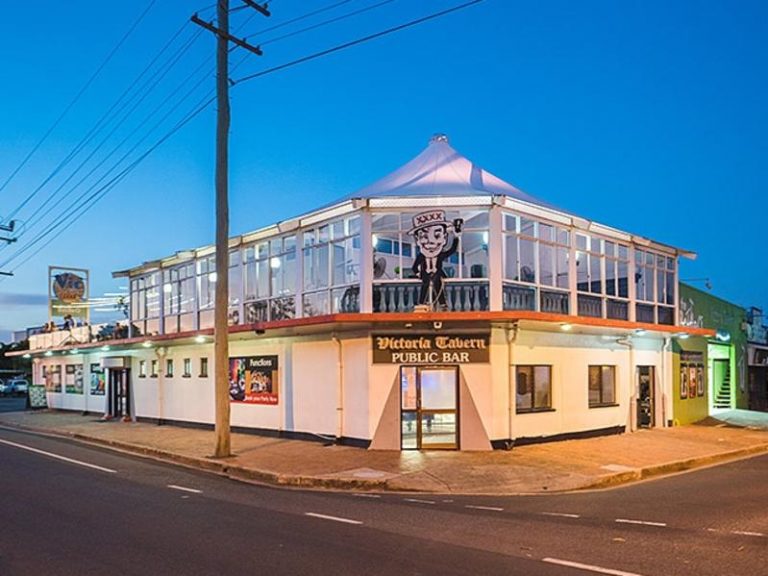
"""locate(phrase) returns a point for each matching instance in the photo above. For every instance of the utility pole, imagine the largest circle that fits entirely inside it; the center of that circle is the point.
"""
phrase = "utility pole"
(223, 446)
(7, 228)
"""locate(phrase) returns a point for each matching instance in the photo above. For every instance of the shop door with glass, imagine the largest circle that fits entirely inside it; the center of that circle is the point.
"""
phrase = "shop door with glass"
(429, 407)
(645, 397)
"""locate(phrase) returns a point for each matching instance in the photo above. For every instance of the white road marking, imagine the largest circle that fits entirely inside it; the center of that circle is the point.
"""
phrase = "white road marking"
(743, 533)
(184, 489)
(419, 501)
(598, 569)
(367, 495)
(561, 514)
(642, 522)
(491, 508)
(334, 518)
(57, 457)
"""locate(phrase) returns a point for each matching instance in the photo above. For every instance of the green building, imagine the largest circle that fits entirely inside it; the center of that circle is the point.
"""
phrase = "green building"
(710, 374)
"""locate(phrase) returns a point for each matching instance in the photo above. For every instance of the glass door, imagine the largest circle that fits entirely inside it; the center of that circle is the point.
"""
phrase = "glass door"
(645, 401)
(429, 407)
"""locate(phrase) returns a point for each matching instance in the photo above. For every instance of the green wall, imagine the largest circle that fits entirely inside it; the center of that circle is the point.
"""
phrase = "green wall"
(702, 309)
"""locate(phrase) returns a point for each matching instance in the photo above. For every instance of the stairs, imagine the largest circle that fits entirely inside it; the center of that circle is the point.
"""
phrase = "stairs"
(723, 394)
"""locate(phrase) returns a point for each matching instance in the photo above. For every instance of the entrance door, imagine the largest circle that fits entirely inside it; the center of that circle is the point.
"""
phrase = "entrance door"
(646, 406)
(429, 407)
(119, 400)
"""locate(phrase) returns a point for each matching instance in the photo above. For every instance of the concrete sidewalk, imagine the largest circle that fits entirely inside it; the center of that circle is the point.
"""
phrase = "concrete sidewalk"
(539, 468)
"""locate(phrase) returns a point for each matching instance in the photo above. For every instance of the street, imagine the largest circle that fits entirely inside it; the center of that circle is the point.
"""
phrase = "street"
(69, 508)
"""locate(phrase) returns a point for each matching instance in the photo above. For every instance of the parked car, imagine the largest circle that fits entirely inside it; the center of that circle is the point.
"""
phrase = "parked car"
(14, 386)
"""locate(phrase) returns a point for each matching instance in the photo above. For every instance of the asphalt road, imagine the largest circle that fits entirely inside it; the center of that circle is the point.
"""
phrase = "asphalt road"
(132, 516)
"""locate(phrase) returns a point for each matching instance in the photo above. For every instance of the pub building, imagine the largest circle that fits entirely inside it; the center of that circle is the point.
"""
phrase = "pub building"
(439, 307)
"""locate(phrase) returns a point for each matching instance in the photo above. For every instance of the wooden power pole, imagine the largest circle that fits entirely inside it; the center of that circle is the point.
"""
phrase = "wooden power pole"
(221, 314)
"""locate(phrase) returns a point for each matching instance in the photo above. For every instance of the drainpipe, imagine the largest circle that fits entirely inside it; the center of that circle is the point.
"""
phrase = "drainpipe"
(511, 332)
(633, 395)
(665, 348)
(340, 398)
(160, 352)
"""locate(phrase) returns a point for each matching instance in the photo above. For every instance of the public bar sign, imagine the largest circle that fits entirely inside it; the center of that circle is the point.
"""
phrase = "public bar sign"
(431, 348)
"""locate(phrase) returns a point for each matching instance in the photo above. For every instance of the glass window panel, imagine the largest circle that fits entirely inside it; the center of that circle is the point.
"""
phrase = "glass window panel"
(339, 275)
(595, 274)
(408, 388)
(660, 285)
(596, 245)
(438, 389)
(474, 254)
(353, 225)
(623, 279)
(546, 232)
(527, 227)
(660, 261)
(510, 222)
(323, 234)
(670, 263)
(524, 386)
(510, 257)
(623, 252)
(337, 230)
(438, 430)
(563, 237)
(546, 265)
(582, 272)
(581, 242)
(648, 259)
(670, 276)
(610, 248)
(608, 380)
(542, 386)
(562, 268)
(387, 222)
(409, 439)
(610, 277)
(527, 260)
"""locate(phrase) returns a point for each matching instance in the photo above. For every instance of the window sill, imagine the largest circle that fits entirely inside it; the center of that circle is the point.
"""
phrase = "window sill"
(603, 405)
(535, 411)
(203, 376)
(186, 375)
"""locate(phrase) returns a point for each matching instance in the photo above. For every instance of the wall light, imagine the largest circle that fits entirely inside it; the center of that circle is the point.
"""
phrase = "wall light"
(27, 356)
(147, 343)
(199, 338)
(566, 327)
(105, 348)
(48, 353)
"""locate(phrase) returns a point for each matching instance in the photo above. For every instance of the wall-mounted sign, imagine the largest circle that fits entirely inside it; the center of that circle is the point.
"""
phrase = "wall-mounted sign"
(431, 348)
(253, 379)
(68, 293)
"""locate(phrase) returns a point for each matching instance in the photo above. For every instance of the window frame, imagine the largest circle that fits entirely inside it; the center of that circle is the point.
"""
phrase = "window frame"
(533, 387)
(204, 367)
(187, 368)
(601, 403)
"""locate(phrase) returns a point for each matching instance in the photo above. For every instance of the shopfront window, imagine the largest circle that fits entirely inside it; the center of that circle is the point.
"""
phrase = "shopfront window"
(534, 388)
(602, 386)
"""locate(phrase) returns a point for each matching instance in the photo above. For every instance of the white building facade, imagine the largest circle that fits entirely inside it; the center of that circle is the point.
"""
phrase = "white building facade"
(437, 308)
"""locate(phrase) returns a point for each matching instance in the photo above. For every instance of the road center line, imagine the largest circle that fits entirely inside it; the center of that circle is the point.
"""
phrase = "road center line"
(598, 569)
(417, 501)
(367, 495)
(491, 508)
(744, 533)
(57, 457)
(561, 514)
(334, 518)
(642, 522)
(184, 489)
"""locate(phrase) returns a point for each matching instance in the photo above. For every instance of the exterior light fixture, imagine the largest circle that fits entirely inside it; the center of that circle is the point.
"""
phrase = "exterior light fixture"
(566, 327)
(199, 338)
(27, 356)
(147, 343)
(683, 336)
(74, 351)
(640, 331)
(105, 348)
(48, 353)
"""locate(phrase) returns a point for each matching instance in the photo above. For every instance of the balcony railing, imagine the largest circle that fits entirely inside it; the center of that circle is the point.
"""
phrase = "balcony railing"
(591, 306)
(460, 296)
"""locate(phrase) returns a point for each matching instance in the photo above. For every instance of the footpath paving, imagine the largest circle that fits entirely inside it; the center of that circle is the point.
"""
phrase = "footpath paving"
(540, 468)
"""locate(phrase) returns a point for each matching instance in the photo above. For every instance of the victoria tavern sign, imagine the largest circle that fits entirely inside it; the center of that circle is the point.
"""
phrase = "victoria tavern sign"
(430, 348)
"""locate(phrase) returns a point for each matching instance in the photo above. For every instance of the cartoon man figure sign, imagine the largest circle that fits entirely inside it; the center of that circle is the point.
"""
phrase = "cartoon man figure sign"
(431, 232)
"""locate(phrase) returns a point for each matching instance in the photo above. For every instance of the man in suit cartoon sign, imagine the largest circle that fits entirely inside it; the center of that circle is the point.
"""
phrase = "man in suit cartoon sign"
(431, 232)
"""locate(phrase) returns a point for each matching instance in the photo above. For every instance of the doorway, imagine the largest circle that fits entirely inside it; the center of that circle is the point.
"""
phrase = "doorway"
(119, 395)
(429, 408)
(646, 405)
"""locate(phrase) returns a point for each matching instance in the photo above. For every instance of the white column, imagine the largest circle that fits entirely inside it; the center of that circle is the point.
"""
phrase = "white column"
(299, 274)
(366, 262)
(573, 303)
(632, 285)
(496, 258)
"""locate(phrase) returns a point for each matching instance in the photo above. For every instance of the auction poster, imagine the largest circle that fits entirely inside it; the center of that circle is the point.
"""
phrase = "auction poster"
(97, 380)
(253, 379)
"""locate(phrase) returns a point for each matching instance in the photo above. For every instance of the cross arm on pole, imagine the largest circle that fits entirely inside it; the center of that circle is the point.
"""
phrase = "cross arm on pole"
(263, 8)
(242, 43)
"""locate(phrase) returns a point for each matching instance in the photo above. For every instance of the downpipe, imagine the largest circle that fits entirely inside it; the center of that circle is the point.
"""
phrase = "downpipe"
(632, 383)
(511, 333)
(340, 390)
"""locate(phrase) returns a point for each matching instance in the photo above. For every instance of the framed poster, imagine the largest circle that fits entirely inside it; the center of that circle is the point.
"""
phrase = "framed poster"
(683, 381)
(73, 379)
(52, 378)
(700, 379)
(692, 385)
(97, 380)
(253, 380)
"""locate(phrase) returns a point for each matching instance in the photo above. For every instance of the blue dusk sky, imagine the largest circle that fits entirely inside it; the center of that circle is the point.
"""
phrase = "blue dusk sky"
(647, 116)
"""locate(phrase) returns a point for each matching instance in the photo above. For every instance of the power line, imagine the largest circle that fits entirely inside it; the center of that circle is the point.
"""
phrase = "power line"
(362, 40)
(85, 205)
(77, 96)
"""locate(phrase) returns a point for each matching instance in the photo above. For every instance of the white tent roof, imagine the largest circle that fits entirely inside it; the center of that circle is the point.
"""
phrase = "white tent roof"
(441, 171)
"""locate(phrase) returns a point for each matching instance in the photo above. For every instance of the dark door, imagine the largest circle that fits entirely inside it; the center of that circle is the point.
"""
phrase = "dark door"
(429, 412)
(645, 396)
(119, 399)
